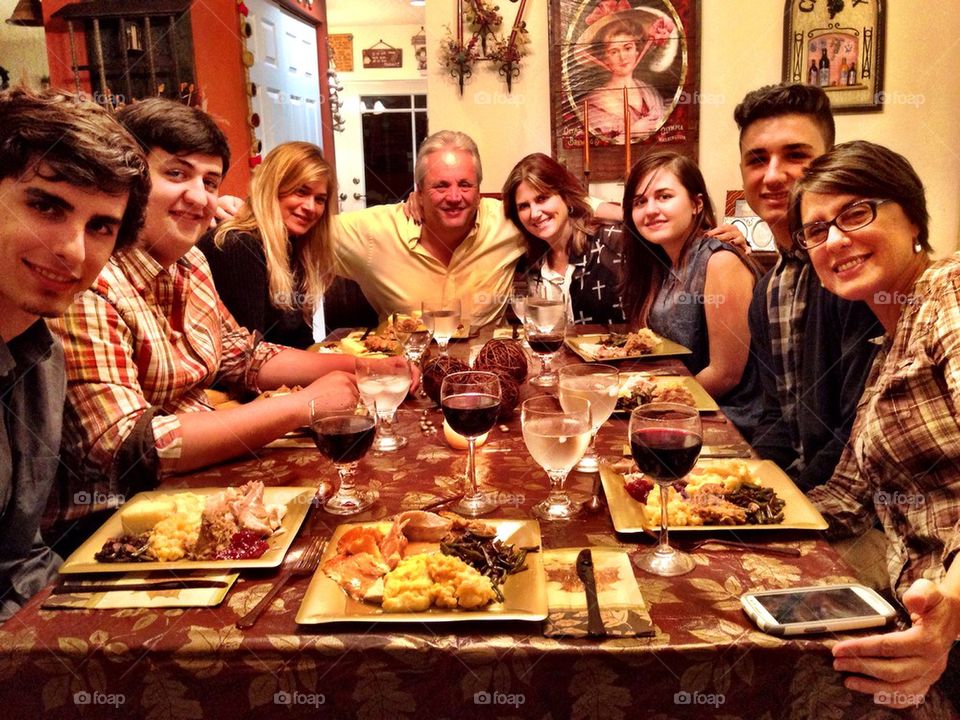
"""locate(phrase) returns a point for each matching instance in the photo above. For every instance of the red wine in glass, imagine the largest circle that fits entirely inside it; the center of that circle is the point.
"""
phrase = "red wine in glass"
(471, 414)
(344, 438)
(545, 344)
(667, 454)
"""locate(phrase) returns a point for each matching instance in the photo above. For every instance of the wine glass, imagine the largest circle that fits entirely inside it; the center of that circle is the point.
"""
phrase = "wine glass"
(545, 323)
(600, 384)
(471, 402)
(412, 333)
(556, 436)
(518, 298)
(665, 439)
(442, 318)
(383, 384)
(344, 436)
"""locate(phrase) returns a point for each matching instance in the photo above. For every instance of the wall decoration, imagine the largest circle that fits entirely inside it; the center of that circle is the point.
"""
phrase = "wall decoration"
(839, 46)
(625, 75)
(382, 55)
(341, 51)
(458, 54)
(419, 42)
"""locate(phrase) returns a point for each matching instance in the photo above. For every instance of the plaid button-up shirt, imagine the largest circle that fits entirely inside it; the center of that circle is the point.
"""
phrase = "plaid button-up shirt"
(902, 463)
(146, 342)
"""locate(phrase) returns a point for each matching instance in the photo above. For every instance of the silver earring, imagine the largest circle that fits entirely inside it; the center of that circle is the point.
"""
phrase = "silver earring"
(917, 247)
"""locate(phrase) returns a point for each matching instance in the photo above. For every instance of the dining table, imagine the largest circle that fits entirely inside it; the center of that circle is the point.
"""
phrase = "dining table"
(704, 657)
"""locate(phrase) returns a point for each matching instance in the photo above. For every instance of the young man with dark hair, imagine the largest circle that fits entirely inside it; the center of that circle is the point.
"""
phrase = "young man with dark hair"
(72, 186)
(145, 343)
(814, 348)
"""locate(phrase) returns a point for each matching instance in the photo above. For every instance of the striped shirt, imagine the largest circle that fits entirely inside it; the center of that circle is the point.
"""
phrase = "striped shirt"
(902, 463)
(143, 344)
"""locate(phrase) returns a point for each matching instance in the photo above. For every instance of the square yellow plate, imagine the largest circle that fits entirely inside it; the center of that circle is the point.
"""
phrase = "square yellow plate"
(586, 346)
(703, 401)
(297, 500)
(525, 593)
(798, 512)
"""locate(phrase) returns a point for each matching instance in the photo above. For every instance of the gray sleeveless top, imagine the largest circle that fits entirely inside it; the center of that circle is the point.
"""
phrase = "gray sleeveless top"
(678, 314)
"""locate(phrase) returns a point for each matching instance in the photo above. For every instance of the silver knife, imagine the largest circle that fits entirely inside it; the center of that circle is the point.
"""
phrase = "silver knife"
(75, 588)
(585, 573)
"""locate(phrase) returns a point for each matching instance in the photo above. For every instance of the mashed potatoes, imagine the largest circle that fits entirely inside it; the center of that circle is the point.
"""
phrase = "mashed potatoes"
(174, 536)
(421, 581)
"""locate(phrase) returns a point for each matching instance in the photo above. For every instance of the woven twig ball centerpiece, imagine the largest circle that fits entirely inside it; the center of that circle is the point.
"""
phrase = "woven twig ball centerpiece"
(505, 355)
(435, 371)
(509, 394)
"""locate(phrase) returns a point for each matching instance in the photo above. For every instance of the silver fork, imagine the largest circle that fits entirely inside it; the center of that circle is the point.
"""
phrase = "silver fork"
(306, 564)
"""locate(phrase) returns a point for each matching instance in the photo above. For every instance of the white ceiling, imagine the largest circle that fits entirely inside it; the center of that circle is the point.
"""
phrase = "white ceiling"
(373, 12)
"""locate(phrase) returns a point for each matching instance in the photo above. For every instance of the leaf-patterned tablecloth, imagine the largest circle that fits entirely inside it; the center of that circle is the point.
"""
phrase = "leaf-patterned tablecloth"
(705, 660)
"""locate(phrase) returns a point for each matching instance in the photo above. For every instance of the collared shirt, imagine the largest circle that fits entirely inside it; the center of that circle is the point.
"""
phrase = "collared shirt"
(786, 312)
(902, 463)
(32, 388)
(144, 343)
(381, 250)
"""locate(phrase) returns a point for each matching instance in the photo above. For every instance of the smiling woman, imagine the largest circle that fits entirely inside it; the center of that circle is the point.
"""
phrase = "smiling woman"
(270, 262)
(861, 212)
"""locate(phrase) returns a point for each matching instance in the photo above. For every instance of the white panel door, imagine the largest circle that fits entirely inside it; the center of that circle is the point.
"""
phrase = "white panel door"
(285, 73)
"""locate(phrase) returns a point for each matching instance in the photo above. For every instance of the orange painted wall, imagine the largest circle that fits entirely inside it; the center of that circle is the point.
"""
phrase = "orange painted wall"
(220, 76)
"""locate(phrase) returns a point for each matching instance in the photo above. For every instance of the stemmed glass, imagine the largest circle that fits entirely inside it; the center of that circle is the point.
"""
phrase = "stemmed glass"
(471, 402)
(412, 333)
(665, 439)
(442, 317)
(383, 384)
(344, 436)
(556, 436)
(600, 384)
(518, 299)
(545, 324)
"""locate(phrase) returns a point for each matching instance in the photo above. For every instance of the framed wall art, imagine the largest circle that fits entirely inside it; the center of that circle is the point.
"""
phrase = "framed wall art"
(625, 76)
(839, 46)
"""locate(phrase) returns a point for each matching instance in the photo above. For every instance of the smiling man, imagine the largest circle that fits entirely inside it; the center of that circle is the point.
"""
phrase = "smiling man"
(813, 348)
(72, 186)
(145, 343)
(465, 248)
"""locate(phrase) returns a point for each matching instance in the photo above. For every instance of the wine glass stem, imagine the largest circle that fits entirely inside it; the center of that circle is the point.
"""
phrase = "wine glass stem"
(385, 424)
(557, 495)
(443, 346)
(663, 547)
(471, 466)
(345, 470)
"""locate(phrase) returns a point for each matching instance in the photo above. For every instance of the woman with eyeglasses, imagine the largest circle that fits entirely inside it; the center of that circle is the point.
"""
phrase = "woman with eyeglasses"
(687, 286)
(860, 213)
(567, 251)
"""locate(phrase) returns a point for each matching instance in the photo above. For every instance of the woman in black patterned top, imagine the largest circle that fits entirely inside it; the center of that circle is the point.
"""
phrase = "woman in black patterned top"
(566, 248)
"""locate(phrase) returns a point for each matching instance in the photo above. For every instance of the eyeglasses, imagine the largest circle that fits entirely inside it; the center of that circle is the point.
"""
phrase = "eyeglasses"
(853, 217)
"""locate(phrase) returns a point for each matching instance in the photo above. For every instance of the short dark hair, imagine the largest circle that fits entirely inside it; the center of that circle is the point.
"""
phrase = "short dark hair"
(74, 141)
(177, 128)
(867, 170)
(787, 99)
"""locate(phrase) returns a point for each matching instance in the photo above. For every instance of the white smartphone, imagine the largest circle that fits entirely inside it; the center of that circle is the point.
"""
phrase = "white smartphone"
(817, 609)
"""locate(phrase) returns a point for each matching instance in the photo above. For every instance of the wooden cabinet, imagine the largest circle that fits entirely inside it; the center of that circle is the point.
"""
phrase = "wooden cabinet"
(136, 49)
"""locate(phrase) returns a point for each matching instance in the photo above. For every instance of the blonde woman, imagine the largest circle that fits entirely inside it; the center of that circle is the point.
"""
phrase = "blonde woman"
(269, 261)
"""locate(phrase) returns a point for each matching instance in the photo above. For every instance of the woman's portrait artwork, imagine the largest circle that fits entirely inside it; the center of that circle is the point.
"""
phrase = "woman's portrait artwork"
(626, 64)
(626, 73)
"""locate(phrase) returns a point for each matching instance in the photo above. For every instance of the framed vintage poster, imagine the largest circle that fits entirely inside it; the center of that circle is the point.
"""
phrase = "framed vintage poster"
(625, 76)
(838, 45)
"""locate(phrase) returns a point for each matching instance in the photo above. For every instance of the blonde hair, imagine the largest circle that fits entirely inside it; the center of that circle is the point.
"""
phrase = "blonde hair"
(286, 168)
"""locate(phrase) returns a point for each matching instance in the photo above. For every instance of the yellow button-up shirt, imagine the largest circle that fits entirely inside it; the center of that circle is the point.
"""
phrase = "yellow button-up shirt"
(380, 249)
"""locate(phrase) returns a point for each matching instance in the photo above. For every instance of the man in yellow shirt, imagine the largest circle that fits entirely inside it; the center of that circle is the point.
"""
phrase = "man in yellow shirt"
(465, 247)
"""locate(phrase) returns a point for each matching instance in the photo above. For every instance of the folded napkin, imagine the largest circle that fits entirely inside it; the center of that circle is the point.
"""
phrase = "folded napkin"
(622, 608)
(162, 598)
